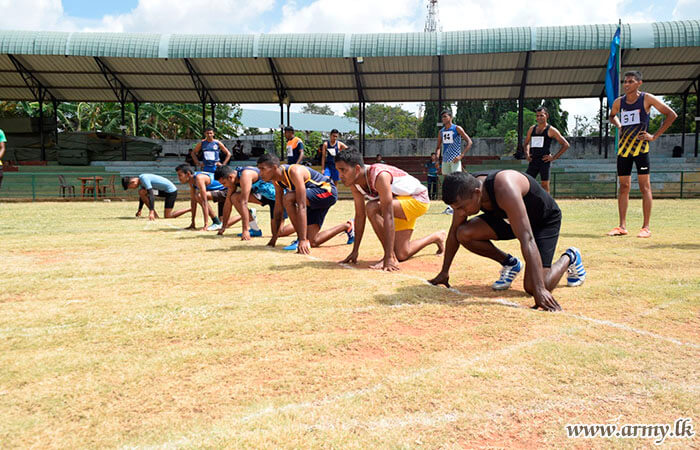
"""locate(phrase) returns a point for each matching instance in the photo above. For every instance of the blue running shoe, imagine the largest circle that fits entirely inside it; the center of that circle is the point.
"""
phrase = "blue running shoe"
(351, 232)
(508, 274)
(576, 273)
(292, 247)
(253, 233)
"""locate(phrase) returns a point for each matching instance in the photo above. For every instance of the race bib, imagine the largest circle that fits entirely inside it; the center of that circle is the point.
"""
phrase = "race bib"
(209, 156)
(630, 117)
(537, 142)
(448, 137)
(331, 150)
(290, 150)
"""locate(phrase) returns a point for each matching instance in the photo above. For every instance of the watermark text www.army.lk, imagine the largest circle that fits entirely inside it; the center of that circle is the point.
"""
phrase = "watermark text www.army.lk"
(681, 429)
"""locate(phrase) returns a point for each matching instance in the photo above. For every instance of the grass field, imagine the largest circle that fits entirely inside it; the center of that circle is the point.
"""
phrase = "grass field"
(118, 332)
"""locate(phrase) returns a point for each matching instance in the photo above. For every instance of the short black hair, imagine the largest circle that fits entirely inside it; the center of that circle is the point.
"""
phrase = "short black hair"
(208, 129)
(351, 157)
(433, 154)
(334, 131)
(269, 159)
(458, 185)
(186, 168)
(542, 108)
(446, 111)
(289, 128)
(222, 172)
(633, 73)
(126, 181)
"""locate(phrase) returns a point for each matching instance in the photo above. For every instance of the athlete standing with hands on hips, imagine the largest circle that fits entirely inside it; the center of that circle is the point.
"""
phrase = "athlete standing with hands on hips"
(634, 108)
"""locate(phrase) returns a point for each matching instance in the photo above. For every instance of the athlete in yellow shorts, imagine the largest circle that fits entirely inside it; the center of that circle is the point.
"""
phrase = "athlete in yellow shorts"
(394, 200)
(412, 209)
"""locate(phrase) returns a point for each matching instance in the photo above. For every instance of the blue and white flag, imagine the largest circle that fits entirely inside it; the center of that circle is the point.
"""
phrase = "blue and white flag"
(612, 74)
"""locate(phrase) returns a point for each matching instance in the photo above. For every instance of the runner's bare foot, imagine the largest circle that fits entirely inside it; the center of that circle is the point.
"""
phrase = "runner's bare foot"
(441, 242)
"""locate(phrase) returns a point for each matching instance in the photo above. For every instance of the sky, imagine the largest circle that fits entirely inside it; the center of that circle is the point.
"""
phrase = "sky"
(336, 16)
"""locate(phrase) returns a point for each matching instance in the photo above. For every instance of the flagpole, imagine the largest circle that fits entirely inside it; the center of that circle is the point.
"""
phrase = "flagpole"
(619, 74)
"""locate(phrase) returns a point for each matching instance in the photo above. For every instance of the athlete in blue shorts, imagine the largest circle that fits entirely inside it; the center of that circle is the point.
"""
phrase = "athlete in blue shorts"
(203, 188)
(253, 190)
(148, 184)
(331, 148)
(211, 152)
(308, 198)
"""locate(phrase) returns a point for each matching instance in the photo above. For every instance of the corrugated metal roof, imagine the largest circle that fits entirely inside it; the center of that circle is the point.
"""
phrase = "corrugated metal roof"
(566, 61)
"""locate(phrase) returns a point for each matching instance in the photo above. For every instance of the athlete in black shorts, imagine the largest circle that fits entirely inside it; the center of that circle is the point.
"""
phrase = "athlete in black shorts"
(537, 144)
(634, 108)
(514, 205)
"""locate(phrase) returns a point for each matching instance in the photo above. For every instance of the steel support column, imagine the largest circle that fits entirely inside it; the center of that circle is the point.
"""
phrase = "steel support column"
(607, 127)
(697, 113)
(600, 126)
(136, 118)
(521, 101)
(203, 91)
(361, 105)
(683, 114)
(281, 131)
(439, 59)
(55, 120)
(39, 92)
(122, 92)
(41, 126)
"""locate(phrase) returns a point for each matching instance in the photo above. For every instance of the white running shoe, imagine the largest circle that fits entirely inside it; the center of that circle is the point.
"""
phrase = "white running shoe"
(253, 220)
(214, 227)
(508, 274)
(448, 211)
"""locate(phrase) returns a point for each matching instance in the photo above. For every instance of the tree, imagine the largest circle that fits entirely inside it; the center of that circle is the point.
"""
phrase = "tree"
(468, 115)
(431, 117)
(156, 120)
(585, 126)
(313, 108)
(389, 121)
(675, 102)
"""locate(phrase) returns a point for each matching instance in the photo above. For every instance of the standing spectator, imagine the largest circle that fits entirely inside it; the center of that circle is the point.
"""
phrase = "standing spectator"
(431, 168)
(3, 139)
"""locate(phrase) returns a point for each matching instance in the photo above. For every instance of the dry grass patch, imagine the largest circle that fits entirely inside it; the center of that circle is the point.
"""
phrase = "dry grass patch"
(120, 332)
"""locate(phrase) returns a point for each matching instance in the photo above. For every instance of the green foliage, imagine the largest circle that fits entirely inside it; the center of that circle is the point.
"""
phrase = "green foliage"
(431, 117)
(675, 102)
(156, 120)
(507, 122)
(389, 121)
(511, 141)
(313, 108)
(313, 140)
(468, 115)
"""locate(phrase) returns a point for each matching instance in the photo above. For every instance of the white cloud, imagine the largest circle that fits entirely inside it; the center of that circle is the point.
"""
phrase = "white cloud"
(686, 9)
(359, 16)
(195, 16)
(33, 15)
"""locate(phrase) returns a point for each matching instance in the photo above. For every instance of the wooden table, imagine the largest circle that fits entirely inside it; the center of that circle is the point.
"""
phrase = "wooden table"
(84, 187)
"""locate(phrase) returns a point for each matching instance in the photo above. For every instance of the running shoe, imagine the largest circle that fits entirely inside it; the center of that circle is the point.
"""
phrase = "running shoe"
(351, 232)
(292, 247)
(253, 233)
(617, 231)
(448, 211)
(214, 227)
(644, 233)
(576, 274)
(508, 274)
(253, 220)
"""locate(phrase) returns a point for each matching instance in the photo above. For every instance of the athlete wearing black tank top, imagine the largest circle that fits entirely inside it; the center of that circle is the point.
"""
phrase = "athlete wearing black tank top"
(514, 206)
(537, 143)
(634, 146)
